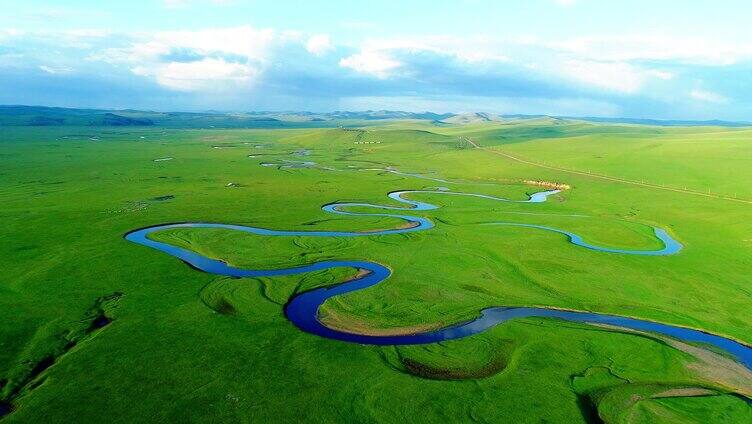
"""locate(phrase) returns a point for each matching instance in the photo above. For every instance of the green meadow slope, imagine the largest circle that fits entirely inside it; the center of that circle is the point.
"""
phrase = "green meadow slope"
(95, 328)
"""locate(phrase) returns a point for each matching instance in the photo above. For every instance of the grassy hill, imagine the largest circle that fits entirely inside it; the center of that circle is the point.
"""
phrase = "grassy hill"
(49, 116)
(55, 116)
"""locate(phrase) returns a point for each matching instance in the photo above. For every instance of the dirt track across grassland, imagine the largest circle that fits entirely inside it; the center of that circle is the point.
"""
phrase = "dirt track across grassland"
(606, 177)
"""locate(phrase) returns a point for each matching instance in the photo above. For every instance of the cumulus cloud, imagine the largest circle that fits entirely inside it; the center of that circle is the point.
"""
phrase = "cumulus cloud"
(469, 49)
(382, 58)
(203, 60)
(374, 62)
(244, 41)
(664, 75)
(319, 44)
(203, 75)
(616, 76)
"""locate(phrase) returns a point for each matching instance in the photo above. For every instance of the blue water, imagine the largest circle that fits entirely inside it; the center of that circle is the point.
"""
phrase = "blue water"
(670, 246)
(302, 310)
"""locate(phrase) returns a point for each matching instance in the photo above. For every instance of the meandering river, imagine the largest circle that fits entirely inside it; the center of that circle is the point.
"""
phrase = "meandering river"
(302, 309)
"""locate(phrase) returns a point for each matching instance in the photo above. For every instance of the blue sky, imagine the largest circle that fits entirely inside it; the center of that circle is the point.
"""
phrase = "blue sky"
(645, 59)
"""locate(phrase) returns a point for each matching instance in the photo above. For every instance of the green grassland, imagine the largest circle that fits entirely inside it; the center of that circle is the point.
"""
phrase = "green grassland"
(186, 346)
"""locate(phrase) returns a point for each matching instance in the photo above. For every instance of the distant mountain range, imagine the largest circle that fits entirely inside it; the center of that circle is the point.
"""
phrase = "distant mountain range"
(53, 116)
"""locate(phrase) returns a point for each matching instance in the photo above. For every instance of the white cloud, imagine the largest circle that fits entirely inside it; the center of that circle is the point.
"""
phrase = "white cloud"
(664, 75)
(242, 41)
(374, 62)
(204, 75)
(377, 56)
(624, 48)
(620, 77)
(616, 76)
(707, 96)
(55, 69)
(319, 44)
(218, 58)
(577, 61)
(469, 49)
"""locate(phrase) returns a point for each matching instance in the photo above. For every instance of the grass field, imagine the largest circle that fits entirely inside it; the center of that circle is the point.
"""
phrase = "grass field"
(95, 328)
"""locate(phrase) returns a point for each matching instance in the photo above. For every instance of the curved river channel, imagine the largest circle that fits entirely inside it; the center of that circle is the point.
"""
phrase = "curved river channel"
(302, 309)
